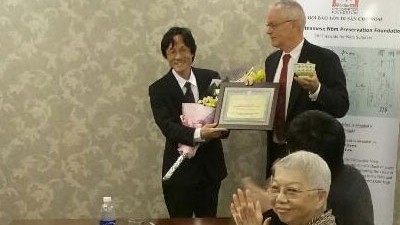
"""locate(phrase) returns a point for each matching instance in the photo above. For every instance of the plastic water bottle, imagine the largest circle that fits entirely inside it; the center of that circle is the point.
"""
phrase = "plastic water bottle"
(107, 212)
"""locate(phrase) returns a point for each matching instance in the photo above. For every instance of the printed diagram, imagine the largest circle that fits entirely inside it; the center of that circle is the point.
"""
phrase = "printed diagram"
(372, 77)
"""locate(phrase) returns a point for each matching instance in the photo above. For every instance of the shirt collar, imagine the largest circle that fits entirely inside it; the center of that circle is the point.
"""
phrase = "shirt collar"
(295, 53)
(182, 82)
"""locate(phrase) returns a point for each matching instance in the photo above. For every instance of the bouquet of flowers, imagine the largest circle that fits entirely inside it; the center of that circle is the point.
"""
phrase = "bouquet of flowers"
(253, 76)
(198, 114)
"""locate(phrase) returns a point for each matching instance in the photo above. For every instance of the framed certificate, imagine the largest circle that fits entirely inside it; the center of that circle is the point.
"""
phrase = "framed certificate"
(242, 107)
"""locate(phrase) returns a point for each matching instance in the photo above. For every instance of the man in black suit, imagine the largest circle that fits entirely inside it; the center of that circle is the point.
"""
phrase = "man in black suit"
(194, 186)
(324, 90)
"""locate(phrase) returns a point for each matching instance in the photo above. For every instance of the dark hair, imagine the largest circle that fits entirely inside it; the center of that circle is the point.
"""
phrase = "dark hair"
(187, 37)
(318, 132)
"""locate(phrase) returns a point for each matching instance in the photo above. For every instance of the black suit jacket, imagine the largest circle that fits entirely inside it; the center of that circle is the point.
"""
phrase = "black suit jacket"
(333, 97)
(166, 99)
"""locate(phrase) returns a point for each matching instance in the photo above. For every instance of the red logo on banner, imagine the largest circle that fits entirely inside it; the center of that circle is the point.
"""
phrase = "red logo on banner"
(344, 3)
(345, 7)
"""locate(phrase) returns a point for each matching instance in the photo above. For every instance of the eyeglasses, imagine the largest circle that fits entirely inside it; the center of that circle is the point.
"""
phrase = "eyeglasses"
(276, 25)
(289, 192)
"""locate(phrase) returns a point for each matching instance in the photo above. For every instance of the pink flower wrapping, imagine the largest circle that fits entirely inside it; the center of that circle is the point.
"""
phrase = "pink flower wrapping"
(194, 115)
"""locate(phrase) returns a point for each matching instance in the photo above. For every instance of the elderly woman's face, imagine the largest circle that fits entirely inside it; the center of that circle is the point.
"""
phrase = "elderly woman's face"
(293, 199)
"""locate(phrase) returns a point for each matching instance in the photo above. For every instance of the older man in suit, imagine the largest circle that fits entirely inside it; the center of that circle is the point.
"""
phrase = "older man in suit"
(324, 90)
(194, 186)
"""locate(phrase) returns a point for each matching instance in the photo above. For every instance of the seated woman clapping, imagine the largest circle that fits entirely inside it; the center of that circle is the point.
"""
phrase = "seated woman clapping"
(297, 194)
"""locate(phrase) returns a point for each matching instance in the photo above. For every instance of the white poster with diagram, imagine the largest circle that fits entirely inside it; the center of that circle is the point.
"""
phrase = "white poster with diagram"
(365, 35)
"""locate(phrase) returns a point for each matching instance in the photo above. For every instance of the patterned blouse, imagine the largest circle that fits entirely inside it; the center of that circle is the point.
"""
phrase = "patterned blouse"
(325, 219)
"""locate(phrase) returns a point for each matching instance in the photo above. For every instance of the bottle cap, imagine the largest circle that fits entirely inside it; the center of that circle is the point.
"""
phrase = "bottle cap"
(106, 199)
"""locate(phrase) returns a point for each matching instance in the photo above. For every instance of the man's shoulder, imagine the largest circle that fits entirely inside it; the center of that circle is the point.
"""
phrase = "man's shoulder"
(350, 178)
(316, 49)
(202, 71)
(276, 53)
(164, 80)
(350, 198)
(352, 171)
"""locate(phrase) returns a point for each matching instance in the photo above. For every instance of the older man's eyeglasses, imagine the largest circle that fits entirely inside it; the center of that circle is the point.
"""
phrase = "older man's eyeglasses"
(288, 192)
(276, 25)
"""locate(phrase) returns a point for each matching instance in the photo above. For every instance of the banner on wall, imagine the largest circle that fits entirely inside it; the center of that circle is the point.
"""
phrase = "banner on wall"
(365, 34)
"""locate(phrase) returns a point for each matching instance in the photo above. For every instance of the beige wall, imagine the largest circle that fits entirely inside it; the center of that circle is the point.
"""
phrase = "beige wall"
(75, 118)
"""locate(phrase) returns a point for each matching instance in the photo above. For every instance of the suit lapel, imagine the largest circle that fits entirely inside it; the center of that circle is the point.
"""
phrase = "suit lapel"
(272, 70)
(294, 95)
(304, 52)
(173, 86)
(202, 84)
(296, 90)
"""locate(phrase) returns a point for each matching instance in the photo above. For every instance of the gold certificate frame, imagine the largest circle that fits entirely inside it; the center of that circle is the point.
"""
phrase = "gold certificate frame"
(242, 107)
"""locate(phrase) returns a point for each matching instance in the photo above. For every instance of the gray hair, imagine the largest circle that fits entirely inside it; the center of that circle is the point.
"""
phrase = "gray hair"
(293, 9)
(314, 168)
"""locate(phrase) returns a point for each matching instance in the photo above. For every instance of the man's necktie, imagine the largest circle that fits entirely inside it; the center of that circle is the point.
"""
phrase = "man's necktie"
(279, 122)
(189, 97)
